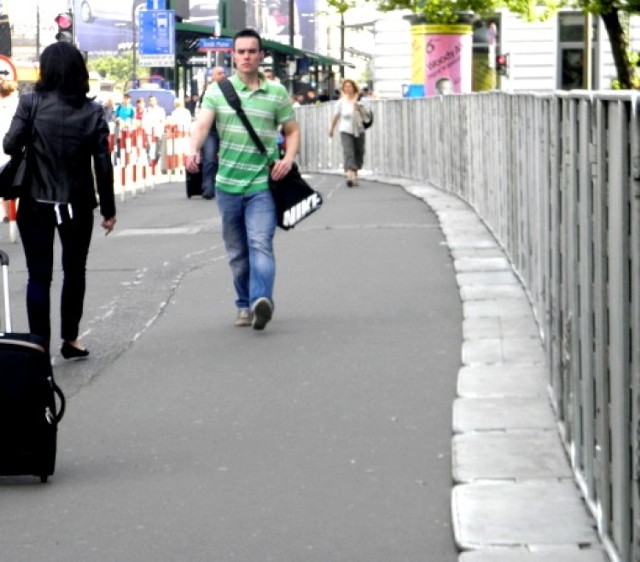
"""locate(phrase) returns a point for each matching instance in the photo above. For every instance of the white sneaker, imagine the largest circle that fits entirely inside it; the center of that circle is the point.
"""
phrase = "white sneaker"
(262, 312)
(244, 318)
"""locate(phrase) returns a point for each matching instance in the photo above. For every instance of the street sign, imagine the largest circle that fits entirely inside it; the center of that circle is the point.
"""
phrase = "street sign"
(7, 69)
(156, 4)
(157, 42)
(215, 44)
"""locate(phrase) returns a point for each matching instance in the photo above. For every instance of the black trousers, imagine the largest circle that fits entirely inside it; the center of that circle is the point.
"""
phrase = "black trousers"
(37, 223)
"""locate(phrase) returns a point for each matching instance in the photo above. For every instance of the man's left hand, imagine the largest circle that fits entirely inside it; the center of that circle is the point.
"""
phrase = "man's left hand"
(281, 168)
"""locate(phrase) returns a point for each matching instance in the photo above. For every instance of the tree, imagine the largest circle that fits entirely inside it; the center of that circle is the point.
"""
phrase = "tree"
(116, 68)
(341, 6)
(612, 13)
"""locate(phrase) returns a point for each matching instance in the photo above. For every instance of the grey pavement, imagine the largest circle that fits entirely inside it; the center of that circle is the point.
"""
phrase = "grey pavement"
(353, 407)
(325, 438)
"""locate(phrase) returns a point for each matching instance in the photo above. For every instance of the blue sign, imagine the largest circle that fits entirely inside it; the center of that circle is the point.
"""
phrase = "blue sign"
(157, 35)
(215, 44)
(157, 38)
(156, 4)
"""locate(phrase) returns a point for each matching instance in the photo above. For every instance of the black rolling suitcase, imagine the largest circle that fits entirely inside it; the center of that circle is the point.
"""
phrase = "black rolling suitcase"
(28, 413)
(194, 183)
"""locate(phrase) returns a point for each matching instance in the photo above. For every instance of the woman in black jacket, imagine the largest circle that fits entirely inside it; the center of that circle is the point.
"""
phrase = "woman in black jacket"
(67, 148)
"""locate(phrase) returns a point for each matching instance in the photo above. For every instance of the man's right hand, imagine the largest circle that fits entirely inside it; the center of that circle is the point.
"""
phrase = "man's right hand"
(193, 163)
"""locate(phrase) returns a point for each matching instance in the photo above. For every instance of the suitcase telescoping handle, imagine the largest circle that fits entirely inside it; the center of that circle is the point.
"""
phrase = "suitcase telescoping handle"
(4, 264)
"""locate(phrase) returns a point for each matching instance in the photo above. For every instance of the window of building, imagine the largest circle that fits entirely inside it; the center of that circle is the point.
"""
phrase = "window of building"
(572, 55)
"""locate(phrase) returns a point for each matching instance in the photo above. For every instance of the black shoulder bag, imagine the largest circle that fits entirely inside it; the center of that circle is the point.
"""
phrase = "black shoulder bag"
(295, 199)
(13, 174)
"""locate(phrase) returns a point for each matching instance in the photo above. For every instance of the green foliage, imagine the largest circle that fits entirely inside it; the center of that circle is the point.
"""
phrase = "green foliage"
(118, 68)
(341, 6)
(449, 11)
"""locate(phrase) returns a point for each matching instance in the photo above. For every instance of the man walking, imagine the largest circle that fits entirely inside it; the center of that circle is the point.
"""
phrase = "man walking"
(211, 146)
(154, 120)
(244, 200)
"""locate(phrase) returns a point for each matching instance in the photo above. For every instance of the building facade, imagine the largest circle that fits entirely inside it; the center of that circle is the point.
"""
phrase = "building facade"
(542, 55)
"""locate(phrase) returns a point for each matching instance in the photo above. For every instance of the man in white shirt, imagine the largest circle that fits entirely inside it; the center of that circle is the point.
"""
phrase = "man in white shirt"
(154, 120)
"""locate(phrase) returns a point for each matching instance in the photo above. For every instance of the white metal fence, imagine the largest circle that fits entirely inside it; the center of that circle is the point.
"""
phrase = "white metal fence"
(556, 178)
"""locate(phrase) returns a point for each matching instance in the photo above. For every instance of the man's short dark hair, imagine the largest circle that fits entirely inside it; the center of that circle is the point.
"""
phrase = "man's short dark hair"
(248, 33)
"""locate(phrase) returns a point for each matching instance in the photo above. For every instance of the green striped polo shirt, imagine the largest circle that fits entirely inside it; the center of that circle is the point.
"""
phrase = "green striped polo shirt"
(241, 167)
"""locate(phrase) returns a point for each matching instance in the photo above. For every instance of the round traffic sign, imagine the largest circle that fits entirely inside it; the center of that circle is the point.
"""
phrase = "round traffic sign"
(7, 69)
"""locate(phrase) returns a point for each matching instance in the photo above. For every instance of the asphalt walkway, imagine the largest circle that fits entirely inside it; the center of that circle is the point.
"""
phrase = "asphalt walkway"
(321, 438)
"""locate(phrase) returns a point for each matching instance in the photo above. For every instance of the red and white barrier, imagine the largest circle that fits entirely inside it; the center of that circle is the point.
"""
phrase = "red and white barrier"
(136, 157)
(13, 225)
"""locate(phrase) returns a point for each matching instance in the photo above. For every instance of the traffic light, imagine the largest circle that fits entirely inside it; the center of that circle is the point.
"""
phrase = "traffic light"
(64, 22)
(502, 64)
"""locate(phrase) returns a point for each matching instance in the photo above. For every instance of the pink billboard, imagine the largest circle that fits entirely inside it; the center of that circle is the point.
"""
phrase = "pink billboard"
(448, 59)
(448, 64)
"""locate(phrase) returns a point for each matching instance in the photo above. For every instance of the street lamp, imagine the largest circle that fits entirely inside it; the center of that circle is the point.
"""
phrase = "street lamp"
(292, 13)
(134, 62)
(291, 69)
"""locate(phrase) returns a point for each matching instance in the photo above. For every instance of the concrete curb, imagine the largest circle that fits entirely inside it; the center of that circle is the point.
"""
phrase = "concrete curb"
(514, 497)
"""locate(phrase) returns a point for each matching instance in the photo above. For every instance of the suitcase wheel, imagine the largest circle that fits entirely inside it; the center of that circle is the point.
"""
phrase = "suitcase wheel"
(43, 478)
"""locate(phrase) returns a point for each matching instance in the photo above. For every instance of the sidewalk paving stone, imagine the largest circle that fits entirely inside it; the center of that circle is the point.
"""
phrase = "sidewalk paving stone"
(494, 263)
(487, 278)
(549, 554)
(504, 308)
(510, 455)
(495, 381)
(491, 414)
(491, 293)
(478, 253)
(490, 351)
(496, 327)
(471, 241)
(517, 513)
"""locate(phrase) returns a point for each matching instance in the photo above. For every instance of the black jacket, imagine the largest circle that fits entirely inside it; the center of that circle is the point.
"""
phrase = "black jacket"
(70, 148)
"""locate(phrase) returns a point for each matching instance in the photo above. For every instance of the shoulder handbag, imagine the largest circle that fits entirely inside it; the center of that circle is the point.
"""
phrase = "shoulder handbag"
(13, 174)
(295, 199)
(366, 114)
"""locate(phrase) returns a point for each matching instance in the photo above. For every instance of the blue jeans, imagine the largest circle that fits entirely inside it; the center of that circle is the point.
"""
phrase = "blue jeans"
(210, 162)
(248, 228)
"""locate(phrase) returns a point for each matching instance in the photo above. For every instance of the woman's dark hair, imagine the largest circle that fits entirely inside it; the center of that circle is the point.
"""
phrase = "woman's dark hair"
(248, 33)
(62, 69)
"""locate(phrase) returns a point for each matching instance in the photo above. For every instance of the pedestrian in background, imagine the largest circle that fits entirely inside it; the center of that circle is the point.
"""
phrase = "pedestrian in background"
(69, 158)
(109, 109)
(181, 116)
(139, 109)
(153, 122)
(124, 115)
(124, 112)
(211, 146)
(192, 104)
(347, 114)
(245, 203)
(8, 105)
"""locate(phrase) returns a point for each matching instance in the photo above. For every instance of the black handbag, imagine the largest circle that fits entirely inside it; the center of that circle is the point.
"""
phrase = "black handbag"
(295, 199)
(13, 174)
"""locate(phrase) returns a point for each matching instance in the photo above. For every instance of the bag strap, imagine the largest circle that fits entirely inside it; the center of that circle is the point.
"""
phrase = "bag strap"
(234, 102)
